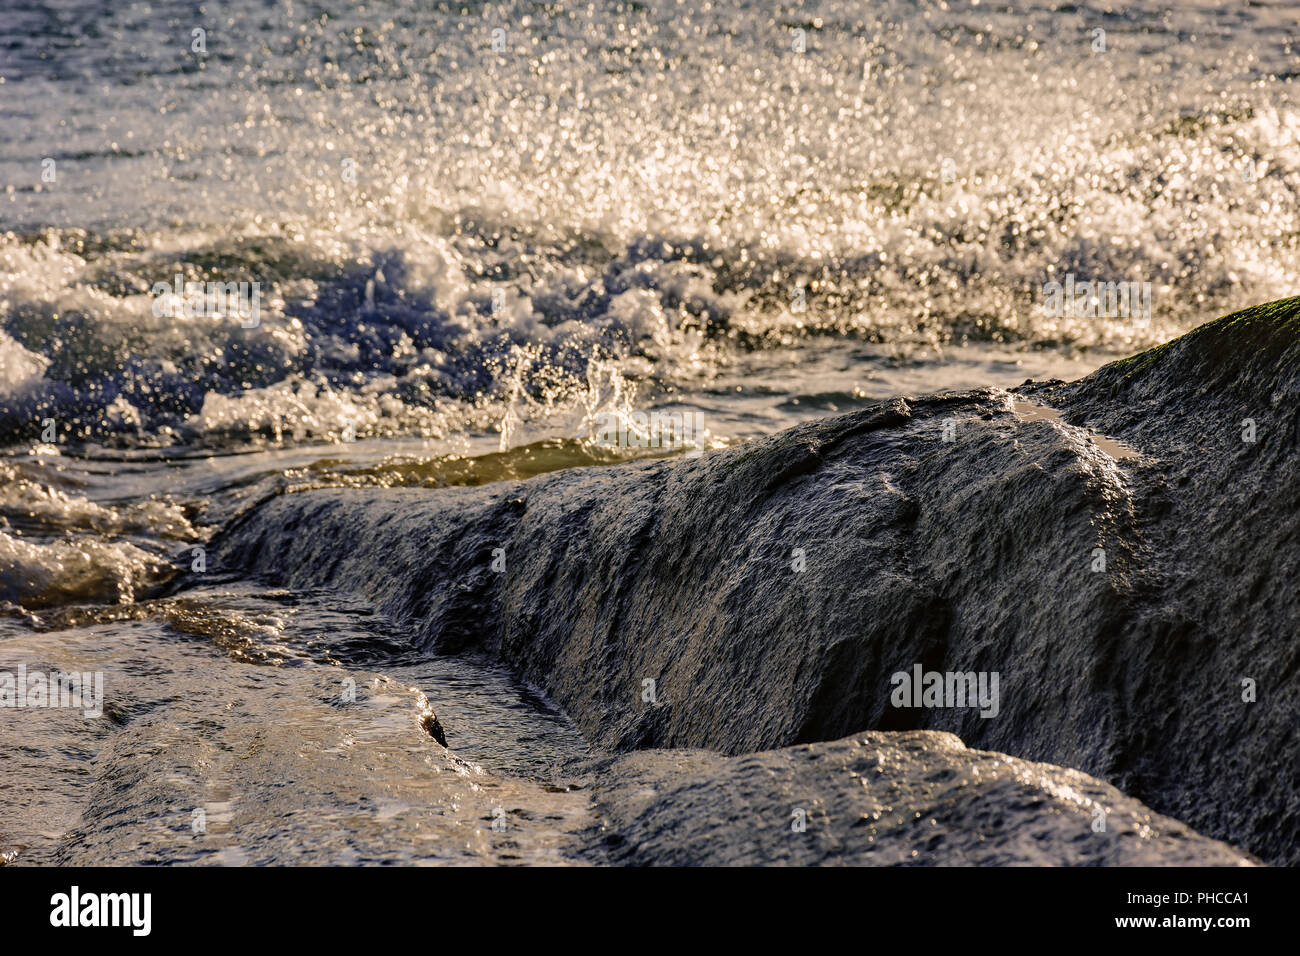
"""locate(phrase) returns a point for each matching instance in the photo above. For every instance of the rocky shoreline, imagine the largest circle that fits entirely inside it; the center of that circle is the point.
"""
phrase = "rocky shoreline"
(1139, 610)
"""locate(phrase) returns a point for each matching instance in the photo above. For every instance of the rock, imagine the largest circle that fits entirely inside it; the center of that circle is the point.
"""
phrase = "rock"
(917, 798)
(220, 760)
(764, 595)
(224, 761)
(433, 727)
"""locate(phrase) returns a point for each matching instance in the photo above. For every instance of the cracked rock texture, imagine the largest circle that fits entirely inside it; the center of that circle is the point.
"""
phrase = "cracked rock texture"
(976, 554)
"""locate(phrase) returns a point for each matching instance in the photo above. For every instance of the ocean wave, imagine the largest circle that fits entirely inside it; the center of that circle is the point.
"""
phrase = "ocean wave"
(36, 574)
(447, 236)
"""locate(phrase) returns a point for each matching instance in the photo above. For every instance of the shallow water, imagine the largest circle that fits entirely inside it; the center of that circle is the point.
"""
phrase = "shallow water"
(464, 255)
(244, 726)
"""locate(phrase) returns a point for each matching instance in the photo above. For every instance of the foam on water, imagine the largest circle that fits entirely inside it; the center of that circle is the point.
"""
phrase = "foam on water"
(446, 235)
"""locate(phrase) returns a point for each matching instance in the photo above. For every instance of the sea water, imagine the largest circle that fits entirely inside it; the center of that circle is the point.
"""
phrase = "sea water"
(474, 233)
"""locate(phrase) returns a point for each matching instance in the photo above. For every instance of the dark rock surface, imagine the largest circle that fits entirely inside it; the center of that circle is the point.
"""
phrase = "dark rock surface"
(916, 798)
(975, 554)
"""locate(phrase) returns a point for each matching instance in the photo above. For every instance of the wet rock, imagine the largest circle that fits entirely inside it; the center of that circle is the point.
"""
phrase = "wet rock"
(433, 727)
(1140, 611)
(234, 763)
(228, 762)
(917, 798)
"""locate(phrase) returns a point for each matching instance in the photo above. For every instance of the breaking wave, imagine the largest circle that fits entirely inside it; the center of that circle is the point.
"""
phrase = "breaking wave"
(449, 236)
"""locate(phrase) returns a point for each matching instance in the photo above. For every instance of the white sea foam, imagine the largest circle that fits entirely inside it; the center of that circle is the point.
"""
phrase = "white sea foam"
(19, 368)
(644, 184)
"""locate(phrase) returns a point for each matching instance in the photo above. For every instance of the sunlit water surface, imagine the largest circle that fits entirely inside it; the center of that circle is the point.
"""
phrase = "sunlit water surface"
(466, 253)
